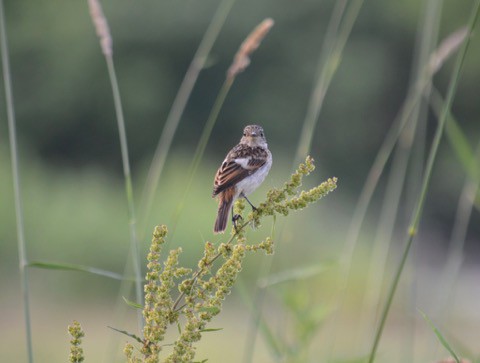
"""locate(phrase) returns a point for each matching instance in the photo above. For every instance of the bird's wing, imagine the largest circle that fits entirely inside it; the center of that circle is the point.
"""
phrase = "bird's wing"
(241, 162)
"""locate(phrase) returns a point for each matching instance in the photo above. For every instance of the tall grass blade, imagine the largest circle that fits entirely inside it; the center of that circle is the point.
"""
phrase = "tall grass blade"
(128, 184)
(74, 267)
(456, 137)
(416, 216)
(440, 337)
(178, 107)
(12, 135)
(103, 32)
(339, 30)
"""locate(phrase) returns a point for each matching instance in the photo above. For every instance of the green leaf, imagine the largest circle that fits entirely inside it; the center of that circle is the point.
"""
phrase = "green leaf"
(73, 267)
(128, 334)
(210, 329)
(201, 361)
(440, 337)
(132, 303)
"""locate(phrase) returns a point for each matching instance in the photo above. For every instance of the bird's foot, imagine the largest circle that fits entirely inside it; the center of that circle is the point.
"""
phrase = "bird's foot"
(235, 218)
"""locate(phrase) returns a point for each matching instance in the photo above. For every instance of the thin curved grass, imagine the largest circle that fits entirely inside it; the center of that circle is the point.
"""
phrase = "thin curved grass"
(178, 107)
(338, 32)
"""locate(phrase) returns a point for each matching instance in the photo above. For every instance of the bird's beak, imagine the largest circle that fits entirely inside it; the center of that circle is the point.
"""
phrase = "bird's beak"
(254, 134)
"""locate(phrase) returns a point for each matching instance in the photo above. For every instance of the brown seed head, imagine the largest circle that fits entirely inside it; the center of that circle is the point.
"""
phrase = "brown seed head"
(101, 26)
(446, 48)
(252, 42)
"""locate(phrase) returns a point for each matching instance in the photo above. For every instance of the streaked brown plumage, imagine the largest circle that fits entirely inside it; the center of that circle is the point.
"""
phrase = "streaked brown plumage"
(243, 170)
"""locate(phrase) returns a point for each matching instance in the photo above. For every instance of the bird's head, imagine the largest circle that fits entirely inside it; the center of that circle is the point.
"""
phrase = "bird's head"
(253, 136)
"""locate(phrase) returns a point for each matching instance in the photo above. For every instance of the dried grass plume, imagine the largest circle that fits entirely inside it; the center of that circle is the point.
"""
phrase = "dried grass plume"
(448, 46)
(249, 45)
(101, 27)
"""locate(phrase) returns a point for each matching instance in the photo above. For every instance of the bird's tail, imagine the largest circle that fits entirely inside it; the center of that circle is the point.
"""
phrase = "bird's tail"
(222, 216)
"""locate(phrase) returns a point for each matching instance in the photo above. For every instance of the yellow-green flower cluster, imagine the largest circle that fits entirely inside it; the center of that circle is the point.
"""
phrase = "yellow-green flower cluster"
(312, 195)
(227, 274)
(158, 311)
(204, 298)
(277, 201)
(128, 351)
(76, 351)
(266, 245)
(201, 293)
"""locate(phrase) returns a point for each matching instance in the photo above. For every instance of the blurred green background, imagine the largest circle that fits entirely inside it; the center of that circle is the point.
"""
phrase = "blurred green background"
(71, 171)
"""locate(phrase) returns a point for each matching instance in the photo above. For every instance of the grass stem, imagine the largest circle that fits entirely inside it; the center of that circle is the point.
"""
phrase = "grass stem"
(12, 134)
(128, 185)
(338, 32)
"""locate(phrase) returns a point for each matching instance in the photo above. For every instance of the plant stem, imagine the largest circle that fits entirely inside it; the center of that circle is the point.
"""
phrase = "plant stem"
(128, 186)
(12, 134)
(416, 216)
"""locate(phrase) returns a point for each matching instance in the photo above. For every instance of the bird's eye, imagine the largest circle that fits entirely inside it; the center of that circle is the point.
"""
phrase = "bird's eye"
(244, 134)
(261, 134)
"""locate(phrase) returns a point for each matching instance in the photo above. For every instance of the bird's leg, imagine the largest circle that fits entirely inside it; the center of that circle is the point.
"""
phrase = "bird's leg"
(251, 205)
(235, 218)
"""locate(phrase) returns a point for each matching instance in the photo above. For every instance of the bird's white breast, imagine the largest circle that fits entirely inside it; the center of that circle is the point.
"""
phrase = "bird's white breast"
(252, 182)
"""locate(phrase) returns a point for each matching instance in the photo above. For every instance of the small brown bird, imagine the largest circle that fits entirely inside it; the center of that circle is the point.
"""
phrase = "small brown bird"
(243, 170)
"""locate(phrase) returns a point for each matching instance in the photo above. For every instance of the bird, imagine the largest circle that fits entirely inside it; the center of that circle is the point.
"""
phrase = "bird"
(245, 167)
